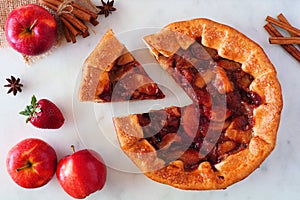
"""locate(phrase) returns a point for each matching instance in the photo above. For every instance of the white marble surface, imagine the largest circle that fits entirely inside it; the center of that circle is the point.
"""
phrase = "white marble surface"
(56, 77)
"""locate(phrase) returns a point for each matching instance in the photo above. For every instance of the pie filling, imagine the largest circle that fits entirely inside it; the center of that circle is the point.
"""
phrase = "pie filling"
(126, 80)
(220, 120)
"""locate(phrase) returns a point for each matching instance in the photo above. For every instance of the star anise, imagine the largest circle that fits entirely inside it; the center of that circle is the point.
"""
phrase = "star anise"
(14, 85)
(106, 8)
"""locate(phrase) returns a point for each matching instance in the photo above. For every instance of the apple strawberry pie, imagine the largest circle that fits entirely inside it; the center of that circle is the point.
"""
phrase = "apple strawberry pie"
(111, 73)
(231, 126)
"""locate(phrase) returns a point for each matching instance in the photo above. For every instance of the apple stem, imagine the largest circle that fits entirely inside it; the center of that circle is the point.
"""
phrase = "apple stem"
(33, 24)
(28, 164)
(73, 148)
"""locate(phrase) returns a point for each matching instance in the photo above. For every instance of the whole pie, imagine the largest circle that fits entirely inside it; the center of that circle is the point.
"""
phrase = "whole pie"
(231, 126)
(111, 73)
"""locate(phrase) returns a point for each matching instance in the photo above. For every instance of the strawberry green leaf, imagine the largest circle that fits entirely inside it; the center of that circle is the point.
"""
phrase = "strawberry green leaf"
(27, 119)
(31, 110)
(33, 100)
(23, 113)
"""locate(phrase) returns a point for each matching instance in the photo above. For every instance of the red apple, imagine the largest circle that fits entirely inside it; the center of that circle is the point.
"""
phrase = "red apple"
(31, 29)
(31, 163)
(81, 173)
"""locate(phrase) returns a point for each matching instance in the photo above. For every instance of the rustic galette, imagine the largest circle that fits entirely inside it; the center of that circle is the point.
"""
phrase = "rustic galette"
(231, 126)
(111, 73)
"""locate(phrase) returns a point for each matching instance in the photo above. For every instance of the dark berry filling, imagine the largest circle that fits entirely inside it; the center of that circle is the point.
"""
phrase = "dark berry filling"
(222, 100)
(124, 83)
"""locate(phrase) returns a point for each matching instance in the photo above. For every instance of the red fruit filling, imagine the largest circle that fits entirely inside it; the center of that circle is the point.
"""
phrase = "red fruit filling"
(219, 122)
(127, 80)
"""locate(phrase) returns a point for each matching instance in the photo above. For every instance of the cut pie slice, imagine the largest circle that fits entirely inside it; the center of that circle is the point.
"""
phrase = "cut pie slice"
(111, 73)
(231, 126)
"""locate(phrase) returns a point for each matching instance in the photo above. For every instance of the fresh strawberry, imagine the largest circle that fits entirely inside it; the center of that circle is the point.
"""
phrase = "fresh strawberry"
(43, 114)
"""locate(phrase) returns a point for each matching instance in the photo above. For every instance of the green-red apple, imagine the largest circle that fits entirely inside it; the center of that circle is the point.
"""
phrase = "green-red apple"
(31, 29)
(31, 163)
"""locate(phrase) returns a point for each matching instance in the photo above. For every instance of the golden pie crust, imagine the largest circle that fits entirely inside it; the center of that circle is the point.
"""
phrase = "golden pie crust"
(111, 71)
(232, 45)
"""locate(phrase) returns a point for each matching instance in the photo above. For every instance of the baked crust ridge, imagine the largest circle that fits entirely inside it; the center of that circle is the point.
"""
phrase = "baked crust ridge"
(101, 58)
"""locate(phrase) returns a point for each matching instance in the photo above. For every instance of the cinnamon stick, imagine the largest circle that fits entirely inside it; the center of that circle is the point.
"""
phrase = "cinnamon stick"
(53, 2)
(85, 16)
(81, 14)
(77, 6)
(85, 34)
(282, 18)
(73, 38)
(49, 5)
(94, 22)
(284, 40)
(283, 25)
(291, 49)
(67, 34)
(75, 22)
(71, 28)
(73, 17)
